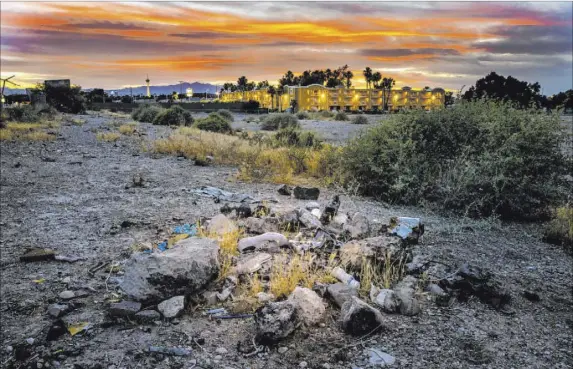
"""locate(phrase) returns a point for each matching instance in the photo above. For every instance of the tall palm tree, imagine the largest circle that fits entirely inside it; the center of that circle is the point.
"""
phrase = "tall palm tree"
(367, 72)
(272, 91)
(242, 84)
(280, 92)
(387, 84)
(348, 76)
(376, 78)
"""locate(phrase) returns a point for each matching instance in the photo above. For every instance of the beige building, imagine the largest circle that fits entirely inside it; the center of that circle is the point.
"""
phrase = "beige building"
(318, 97)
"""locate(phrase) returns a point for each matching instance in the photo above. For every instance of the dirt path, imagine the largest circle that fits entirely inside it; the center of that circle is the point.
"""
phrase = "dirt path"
(71, 195)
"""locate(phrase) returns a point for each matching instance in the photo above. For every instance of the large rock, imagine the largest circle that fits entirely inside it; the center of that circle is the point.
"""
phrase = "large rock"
(252, 263)
(405, 291)
(341, 293)
(289, 220)
(185, 269)
(285, 190)
(358, 227)
(358, 318)
(308, 219)
(387, 300)
(379, 248)
(275, 321)
(309, 305)
(268, 241)
(262, 225)
(220, 225)
(172, 307)
(306, 193)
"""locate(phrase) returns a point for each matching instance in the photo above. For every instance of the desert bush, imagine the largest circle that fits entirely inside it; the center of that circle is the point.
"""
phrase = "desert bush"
(359, 119)
(146, 113)
(277, 121)
(66, 99)
(174, 116)
(127, 129)
(214, 123)
(30, 114)
(295, 137)
(226, 114)
(302, 115)
(326, 114)
(559, 230)
(478, 158)
(341, 116)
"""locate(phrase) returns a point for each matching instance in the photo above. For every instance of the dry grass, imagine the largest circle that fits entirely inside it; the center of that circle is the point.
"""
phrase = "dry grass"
(560, 229)
(108, 136)
(38, 136)
(6, 134)
(256, 162)
(227, 248)
(76, 121)
(28, 131)
(128, 129)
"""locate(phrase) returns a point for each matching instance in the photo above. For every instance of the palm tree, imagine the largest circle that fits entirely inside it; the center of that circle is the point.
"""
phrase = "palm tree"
(386, 86)
(367, 72)
(272, 91)
(376, 78)
(280, 92)
(348, 75)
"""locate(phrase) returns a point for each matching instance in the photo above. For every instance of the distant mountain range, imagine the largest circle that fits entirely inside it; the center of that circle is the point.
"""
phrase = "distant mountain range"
(197, 87)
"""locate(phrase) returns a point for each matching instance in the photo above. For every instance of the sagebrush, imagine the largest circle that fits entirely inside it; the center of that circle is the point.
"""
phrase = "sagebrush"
(277, 121)
(226, 114)
(174, 116)
(215, 122)
(146, 113)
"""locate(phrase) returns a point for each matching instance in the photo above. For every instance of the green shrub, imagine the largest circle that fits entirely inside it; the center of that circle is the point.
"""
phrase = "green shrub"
(302, 115)
(294, 137)
(174, 116)
(226, 114)
(359, 119)
(30, 114)
(341, 116)
(280, 120)
(326, 114)
(146, 113)
(478, 158)
(559, 230)
(214, 123)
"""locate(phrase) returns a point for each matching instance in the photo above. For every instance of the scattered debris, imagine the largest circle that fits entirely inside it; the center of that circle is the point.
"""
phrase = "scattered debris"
(309, 305)
(124, 309)
(344, 277)
(285, 190)
(358, 318)
(253, 263)
(188, 229)
(172, 307)
(221, 195)
(79, 327)
(331, 210)
(182, 270)
(306, 193)
(275, 321)
(173, 351)
(267, 241)
(408, 229)
(358, 227)
(38, 254)
(378, 357)
(69, 259)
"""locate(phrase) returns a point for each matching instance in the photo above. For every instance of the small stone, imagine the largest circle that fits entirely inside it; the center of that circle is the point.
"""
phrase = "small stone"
(358, 318)
(66, 280)
(358, 227)
(308, 219)
(303, 364)
(316, 213)
(306, 193)
(264, 297)
(221, 225)
(221, 350)
(341, 293)
(531, 296)
(30, 341)
(124, 309)
(275, 321)
(147, 316)
(378, 357)
(67, 295)
(218, 357)
(57, 310)
(262, 225)
(172, 307)
(282, 350)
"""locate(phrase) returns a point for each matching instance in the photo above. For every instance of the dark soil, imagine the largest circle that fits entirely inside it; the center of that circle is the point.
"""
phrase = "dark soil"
(84, 204)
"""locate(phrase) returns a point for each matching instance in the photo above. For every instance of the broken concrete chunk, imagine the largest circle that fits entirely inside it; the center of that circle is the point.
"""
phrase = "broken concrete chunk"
(253, 263)
(340, 293)
(266, 241)
(408, 229)
(147, 316)
(308, 219)
(306, 193)
(387, 300)
(262, 225)
(182, 270)
(275, 321)
(285, 190)
(173, 307)
(124, 309)
(339, 220)
(221, 225)
(38, 254)
(331, 210)
(358, 227)
(309, 305)
(289, 220)
(358, 318)
(57, 310)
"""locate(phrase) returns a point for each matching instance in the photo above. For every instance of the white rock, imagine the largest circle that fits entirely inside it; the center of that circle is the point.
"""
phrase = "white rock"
(66, 280)
(308, 219)
(312, 205)
(67, 295)
(269, 240)
(221, 350)
(303, 364)
(173, 307)
(309, 305)
(282, 350)
(316, 212)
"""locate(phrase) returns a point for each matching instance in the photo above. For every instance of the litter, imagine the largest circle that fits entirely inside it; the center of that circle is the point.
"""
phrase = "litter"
(175, 351)
(69, 259)
(78, 327)
(40, 254)
(188, 229)
(344, 277)
(407, 228)
(41, 280)
(214, 312)
(378, 357)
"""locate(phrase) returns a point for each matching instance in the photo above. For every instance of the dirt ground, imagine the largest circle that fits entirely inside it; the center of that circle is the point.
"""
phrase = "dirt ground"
(70, 195)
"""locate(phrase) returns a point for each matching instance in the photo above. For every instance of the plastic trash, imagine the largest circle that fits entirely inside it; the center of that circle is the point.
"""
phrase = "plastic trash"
(188, 229)
(78, 327)
(175, 351)
(378, 357)
(344, 277)
(162, 246)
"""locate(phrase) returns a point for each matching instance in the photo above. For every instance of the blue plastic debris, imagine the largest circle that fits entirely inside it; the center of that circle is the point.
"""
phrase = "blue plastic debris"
(409, 229)
(162, 246)
(190, 229)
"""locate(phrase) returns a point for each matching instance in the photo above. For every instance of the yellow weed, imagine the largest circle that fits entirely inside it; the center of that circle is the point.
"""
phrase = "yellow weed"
(127, 129)
(108, 137)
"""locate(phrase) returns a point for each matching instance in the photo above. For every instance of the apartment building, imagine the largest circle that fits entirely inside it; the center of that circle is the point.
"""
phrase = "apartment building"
(318, 97)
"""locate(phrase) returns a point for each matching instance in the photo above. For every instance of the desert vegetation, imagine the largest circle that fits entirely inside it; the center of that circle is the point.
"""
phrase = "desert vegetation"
(277, 121)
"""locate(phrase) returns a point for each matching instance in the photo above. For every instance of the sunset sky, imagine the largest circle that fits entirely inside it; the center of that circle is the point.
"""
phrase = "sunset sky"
(113, 45)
